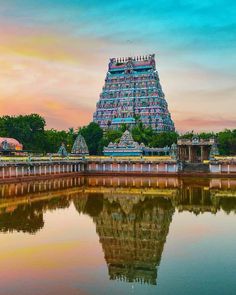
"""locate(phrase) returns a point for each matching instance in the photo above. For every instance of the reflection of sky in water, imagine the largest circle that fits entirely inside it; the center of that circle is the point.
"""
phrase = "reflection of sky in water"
(72, 253)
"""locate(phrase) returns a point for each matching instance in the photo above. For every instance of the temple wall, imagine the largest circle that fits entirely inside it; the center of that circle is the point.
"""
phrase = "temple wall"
(126, 167)
(45, 169)
(221, 167)
(39, 169)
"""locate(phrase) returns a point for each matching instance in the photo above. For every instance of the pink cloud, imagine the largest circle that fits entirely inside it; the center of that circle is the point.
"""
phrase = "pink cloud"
(204, 123)
(60, 76)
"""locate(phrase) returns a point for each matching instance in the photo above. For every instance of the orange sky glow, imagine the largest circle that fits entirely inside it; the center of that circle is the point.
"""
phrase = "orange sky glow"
(59, 74)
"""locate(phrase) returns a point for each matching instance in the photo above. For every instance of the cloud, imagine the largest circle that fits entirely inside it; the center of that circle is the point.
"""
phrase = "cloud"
(53, 56)
(207, 123)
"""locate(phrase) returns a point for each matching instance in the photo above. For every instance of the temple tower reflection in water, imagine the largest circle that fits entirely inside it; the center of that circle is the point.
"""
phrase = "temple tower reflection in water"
(133, 231)
(132, 215)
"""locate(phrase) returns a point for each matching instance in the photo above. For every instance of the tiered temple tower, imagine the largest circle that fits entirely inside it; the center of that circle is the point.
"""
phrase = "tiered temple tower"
(133, 92)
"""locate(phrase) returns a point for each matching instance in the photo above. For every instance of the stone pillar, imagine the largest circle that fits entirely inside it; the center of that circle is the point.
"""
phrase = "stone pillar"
(202, 153)
(166, 167)
(190, 153)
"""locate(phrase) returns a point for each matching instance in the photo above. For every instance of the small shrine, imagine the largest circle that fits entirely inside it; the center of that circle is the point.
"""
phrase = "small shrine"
(196, 150)
(126, 147)
(173, 151)
(62, 151)
(9, 146)
(80, 147)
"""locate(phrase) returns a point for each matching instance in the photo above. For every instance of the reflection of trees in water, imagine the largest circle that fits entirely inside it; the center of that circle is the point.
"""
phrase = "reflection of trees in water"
(120, 195)
(132, 223)
(132, 231)
(228, 204)
(29, 217)
(25, 218)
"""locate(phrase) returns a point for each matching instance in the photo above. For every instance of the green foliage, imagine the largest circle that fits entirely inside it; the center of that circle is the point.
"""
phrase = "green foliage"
(30, 131)
(187, 135)
(109, 136)
(93, 135)
(142, 134)
(163, 139)
(54, 139)
(227, 142)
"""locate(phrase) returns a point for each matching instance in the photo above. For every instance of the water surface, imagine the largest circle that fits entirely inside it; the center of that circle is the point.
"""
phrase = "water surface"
(114, 235)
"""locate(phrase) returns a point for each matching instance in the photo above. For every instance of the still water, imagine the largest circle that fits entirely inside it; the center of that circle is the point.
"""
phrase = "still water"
(114, 235)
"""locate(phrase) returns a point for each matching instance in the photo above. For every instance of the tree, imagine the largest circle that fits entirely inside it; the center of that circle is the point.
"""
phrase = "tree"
(54, 139)
(163, 139)
(142, 134)
(93, 135)
(109, 136)
(29, 130)
(227, 142)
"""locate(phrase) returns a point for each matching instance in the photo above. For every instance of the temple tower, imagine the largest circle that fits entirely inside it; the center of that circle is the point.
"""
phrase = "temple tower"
(133, 92)
(80, 147)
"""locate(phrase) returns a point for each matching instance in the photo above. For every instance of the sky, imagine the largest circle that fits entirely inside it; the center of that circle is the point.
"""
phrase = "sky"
(54, 57)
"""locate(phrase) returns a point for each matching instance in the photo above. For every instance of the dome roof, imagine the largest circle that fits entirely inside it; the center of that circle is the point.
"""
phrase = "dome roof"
(14, 143)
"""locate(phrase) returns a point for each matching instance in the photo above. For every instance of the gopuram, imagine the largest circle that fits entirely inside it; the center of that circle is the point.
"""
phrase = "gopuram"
(126, 147)
(80, 147)
(132, 231)
(132, 92)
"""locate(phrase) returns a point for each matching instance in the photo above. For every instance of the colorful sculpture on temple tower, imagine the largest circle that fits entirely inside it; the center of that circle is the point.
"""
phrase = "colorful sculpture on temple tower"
(132, 90)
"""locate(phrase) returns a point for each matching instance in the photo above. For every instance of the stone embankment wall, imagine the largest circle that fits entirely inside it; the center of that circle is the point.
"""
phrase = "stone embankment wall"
(223, 167)
(14, 170)
(100, 166)
(132, 167)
